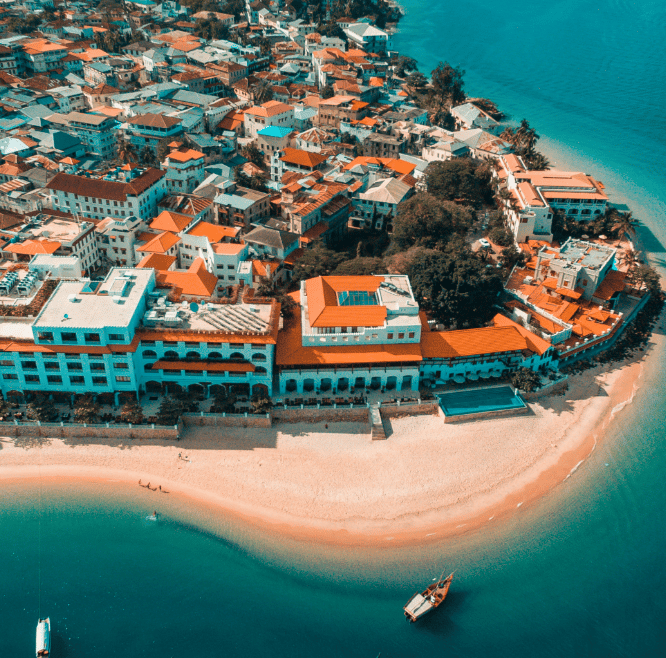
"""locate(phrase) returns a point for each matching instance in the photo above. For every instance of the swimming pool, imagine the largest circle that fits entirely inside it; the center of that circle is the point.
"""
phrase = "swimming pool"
(489, 399)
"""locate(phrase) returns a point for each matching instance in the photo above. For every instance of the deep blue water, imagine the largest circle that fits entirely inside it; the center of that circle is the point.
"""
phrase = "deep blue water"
(579, 574)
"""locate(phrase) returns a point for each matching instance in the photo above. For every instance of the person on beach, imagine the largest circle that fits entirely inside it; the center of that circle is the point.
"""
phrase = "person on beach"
(140, 483)
(155, 514)
(160, 487)
(148, 485)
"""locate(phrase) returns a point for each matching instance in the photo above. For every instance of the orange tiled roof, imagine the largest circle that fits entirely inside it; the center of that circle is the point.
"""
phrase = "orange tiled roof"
(159, 262)
(323, 306)
(197, 281)
(613, 282)
(228, 248)
(534, 342)
(290, 352)
(170, 221)
(270, 109)
(32, 247)
(185, 156)
(302, 158)
(399, 166)
(214, 232)
(160, 243)
(471, 342)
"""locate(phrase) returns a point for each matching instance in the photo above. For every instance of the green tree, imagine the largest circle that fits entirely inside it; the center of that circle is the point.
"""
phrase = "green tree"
(261, 403)
(223, 402)
(537, 161)
(171, 409)
(624, 224)
(263, 92)
(132, 412)
(163, 149)
(511, 256)
(500, 236)
(403, 64)
(331, 29)
(455, 287)
(416, 83)
(360, 266)
(148, 157)
(526, 380)
(648, 277)
(318, 260)
(126, 150)
(326, 92)
(448, 85)
(426, 221)
(23, 25)
(460, 179)
(41, 408)
(86, 409)
(252, 152)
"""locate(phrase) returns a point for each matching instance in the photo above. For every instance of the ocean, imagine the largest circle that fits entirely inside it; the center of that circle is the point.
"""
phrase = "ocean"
(579, 573)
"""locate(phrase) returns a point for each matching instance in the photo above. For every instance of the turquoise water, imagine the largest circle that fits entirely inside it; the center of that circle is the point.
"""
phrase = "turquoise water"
(579, 574)
(474, 401)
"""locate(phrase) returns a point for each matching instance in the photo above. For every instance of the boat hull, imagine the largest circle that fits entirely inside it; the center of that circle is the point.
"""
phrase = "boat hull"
(43, 638)
(426, 601)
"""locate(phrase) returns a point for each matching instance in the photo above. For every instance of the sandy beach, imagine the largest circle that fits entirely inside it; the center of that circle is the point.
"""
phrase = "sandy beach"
(427, 481)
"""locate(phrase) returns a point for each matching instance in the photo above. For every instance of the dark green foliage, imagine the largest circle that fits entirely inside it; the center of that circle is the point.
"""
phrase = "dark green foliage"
(348, 138)
(86, 409)
(460, 179)
(132, 412)
(163, 149)
(42, 409)
(500, 236)
(261, 404)
(448, 85)
(252, 153)
(23, 25)
(211, 29)
(331, 29)
(319, 260)
(455, 286)
(612, 223)
(525, 380)
(649, 277)
(360, 266)
(426, 221)
(223, 403)
(512, 256)
(171, 409)
(403, 64)
(327, 92)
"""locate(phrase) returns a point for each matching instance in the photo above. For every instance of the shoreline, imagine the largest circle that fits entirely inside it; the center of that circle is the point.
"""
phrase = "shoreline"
(344, 516)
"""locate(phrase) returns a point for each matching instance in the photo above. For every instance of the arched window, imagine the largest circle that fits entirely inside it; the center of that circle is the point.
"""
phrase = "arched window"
(258, 357)
(214, 355)
(149, 354)
(192, 355)
(237, 355)
(259, 370)
(170, 354)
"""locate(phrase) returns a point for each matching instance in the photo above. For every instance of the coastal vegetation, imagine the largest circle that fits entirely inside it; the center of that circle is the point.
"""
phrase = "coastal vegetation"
(86, 409)
(526, 380)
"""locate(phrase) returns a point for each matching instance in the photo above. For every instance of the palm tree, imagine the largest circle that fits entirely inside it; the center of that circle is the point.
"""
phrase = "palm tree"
(416, 82)
(631, 259)
(126, 150)
(263, 92)
(147, 156)
(625, 224)
(538, 161)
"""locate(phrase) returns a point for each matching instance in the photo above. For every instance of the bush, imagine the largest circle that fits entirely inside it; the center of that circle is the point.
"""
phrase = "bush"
(500, 236)
(526, 380)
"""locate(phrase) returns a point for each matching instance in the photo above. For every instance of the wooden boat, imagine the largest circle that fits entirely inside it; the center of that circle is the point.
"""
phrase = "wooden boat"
(433, 596)
(43, 637)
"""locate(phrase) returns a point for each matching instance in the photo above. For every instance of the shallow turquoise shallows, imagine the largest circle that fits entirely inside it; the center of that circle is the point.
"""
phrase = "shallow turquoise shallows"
(580, 574)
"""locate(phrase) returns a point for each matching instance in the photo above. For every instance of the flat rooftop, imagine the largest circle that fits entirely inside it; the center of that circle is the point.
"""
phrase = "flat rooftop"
(61, 230)
(84, 305)
(585, 254)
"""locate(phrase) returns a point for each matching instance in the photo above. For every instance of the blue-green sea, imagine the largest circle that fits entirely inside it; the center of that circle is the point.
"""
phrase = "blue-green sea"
(580, 573)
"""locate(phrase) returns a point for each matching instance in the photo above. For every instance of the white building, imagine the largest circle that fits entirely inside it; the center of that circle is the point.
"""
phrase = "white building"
(272, 113)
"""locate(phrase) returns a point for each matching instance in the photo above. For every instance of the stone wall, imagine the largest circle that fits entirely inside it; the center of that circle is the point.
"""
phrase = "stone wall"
(227, 420)
(486, 415)
(553, 388)
(424, 408)
(346, 414)
(105, 430)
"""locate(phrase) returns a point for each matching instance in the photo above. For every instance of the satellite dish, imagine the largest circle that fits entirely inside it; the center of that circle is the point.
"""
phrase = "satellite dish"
(194, 307)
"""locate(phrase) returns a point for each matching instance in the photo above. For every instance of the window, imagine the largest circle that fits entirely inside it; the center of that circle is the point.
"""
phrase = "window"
(120, 366)
(411, 334)
(32, 378)
(74, 367)
(68, 337)
(401, 336)
(123, 379)
(91, 338)
(10, 375)
(54, 379)
(77, 379)
(149, 354)
(116, 338)
(51, 365)
(97, 366)
(6, 364)
(236, 346)
(99, 381)
(45, 335)
(29, 365)
(389, 336)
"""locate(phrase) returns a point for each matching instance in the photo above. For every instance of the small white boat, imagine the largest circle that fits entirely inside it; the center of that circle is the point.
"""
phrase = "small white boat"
(43, 637)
